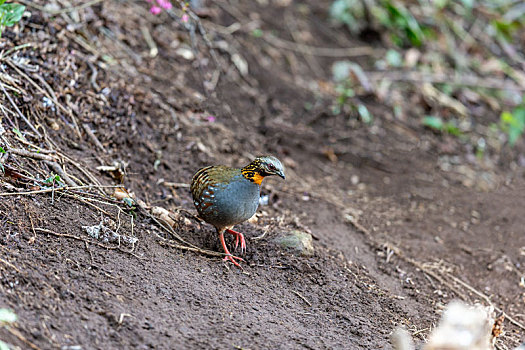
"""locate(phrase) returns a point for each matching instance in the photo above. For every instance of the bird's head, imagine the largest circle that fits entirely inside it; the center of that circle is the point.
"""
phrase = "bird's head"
(261, 167)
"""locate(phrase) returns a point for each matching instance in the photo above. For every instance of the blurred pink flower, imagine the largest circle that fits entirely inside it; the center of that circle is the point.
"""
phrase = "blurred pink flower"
(159, 5)
(165, 4)
(155, 10)
(210, 118)
(185, 18)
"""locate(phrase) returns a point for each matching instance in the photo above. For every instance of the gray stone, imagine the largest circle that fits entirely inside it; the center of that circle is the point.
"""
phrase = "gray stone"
(298, 242)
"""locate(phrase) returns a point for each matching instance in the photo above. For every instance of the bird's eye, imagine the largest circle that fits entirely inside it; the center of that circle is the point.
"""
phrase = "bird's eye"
(271, 166)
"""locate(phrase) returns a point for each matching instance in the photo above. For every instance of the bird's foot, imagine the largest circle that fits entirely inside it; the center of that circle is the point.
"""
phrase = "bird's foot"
(238, 237)
(231, 258)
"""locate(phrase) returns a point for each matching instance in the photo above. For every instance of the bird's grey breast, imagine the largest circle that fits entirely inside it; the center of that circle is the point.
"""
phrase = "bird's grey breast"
(236, 201)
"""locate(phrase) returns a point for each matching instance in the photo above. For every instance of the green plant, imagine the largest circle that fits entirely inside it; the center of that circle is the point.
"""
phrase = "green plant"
(403, 24)
(10, 14)
(344, 93)
(257, 33)
(513, 123)
(436, 123)
(392, 15)
(350, 13)
(54, 179)
(346, 74)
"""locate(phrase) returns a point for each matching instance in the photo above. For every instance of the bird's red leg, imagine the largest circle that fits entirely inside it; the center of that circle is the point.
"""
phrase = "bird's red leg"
(238, 236)
(228, 256)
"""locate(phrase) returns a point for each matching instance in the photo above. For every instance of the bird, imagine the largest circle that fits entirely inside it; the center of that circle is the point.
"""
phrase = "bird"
(225, 196)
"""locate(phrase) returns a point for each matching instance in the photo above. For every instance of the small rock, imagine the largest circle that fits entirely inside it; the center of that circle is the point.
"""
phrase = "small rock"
(264, 200)
(253, 220)
(463, 327)
(185, 52)
(401, 340)
(297, 241)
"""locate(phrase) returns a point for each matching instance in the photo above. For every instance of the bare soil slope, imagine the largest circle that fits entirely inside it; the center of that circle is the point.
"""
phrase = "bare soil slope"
(396, 235)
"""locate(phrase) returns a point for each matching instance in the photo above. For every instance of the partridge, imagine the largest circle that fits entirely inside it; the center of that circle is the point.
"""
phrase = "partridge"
(226, 196)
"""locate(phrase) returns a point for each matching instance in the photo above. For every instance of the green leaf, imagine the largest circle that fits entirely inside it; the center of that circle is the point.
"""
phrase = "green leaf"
(7, 316)
(53, 178)
(3, 346)
(402, 23)
(11, 14)
(257, 33)
(341, 70)
(452, 128)
(513, 123)
(365, 115)
(432, 122)
(2, 150)
(468, 3)
(440, 4)
(505, 29)
(18, 133)
(129, 201)
(394, 58)
(349, 12)
(514, 135)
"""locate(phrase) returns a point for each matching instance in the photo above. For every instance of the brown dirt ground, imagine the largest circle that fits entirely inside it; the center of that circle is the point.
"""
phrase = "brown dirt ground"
(397, 235)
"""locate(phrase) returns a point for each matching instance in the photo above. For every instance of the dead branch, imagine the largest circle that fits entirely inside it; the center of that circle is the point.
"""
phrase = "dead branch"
(64, 188)
(24, 153)
(93, 137)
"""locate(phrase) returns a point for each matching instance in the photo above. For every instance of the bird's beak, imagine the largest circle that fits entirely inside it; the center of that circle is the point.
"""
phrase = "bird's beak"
(281, 174)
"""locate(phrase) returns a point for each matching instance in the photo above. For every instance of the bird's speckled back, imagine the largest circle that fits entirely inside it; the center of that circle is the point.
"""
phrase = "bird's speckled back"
(223, 196)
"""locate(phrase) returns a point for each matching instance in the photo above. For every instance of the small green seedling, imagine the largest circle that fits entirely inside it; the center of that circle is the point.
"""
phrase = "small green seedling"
(10, 14)
(129, 202)
(436, 123)
(513, 123)
(257, 33)
(16, 131)
(53, 179)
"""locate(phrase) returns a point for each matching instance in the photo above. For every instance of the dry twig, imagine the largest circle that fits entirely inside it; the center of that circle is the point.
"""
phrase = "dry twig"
(302, 297)
(24, 153)
(7, 263)
(93, 137)
(64, 188)
(19, 112)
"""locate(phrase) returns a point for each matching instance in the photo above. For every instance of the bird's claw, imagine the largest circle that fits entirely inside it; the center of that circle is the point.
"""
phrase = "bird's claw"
(238, 237)
(231, 258)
